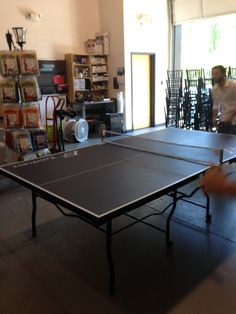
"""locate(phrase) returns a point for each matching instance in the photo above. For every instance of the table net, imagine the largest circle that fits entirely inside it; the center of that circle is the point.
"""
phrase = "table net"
(190, 153)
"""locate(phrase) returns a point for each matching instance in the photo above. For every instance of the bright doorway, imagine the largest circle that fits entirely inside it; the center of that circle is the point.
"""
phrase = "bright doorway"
(142, 69)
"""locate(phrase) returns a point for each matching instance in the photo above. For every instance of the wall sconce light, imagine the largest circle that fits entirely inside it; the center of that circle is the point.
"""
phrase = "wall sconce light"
(35, 17)
(144, 18)
(20, 35)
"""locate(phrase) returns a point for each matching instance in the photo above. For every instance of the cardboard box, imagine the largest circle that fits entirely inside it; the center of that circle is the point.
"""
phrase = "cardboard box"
(90, 46)
(98, 49)
(102, 38)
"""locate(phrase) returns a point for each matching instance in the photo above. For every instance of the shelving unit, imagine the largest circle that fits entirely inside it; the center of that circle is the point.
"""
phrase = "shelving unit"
(87, 76)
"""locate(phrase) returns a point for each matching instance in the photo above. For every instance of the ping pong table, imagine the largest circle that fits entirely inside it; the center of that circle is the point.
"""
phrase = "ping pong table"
(101, 182)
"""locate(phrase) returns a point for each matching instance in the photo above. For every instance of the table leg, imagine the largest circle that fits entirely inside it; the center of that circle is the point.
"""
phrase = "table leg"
(33, 218)
(208, 216)
(168, 242)
(109, 258)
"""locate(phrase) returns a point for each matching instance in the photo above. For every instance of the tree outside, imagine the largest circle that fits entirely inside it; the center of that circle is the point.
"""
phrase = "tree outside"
(209, 42)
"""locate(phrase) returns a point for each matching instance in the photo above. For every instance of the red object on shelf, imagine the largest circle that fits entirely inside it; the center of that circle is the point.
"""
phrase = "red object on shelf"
(58, 79)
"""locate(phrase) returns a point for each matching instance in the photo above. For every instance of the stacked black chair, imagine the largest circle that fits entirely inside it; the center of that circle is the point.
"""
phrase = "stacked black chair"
(232, 73)
(208, 83)
(197, 100)
(174, 97)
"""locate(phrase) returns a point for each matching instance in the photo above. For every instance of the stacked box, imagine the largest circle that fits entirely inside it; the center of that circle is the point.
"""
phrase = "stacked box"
(115, 122)
(102, 38)
(90, 46)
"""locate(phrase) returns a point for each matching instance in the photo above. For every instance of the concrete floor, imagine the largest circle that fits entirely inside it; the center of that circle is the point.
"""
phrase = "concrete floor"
(64, 270)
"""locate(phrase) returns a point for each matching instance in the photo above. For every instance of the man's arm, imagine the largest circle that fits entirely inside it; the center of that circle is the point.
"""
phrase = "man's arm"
(215, 106)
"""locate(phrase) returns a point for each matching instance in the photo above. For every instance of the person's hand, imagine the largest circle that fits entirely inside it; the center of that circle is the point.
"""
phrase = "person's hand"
(214, 181)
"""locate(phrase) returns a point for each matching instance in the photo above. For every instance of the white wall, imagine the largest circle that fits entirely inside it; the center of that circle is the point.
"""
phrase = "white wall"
(151, 37)
(66, 24)
(111, 19)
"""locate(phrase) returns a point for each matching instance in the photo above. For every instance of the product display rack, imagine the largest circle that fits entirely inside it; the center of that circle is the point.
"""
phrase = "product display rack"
(20, 115)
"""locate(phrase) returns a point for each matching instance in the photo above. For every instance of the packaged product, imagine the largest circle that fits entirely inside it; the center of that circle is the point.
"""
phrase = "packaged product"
(12, 116)
(31, 115)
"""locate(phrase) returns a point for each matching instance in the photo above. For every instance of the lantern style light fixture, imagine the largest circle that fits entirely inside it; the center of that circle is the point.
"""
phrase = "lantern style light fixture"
(20, 35)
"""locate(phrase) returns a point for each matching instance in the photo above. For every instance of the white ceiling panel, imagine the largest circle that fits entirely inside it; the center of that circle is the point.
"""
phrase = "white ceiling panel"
(188, 10)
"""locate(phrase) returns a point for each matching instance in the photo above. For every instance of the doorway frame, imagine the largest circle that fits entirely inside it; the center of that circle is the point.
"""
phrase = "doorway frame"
(152, 59)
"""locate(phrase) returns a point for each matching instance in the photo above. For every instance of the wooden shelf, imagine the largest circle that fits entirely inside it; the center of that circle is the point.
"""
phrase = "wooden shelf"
(96, 70)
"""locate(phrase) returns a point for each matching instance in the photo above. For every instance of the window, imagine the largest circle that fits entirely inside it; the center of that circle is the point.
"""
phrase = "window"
(205, 43)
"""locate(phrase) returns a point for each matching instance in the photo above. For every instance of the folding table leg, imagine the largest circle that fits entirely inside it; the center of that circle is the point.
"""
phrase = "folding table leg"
(168, 242)
(33, 218)
(109, 258)
(208, 215)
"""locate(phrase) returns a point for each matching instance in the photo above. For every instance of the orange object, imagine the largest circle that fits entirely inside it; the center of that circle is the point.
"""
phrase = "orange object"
(12, 116)
(30, 114)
